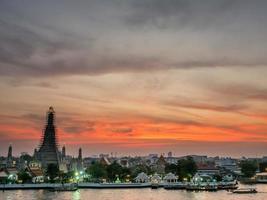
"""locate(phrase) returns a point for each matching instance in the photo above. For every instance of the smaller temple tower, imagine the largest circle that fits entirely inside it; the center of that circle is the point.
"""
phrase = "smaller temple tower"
(80, 160)
(9, 162)
(63, 152)
(80, 154)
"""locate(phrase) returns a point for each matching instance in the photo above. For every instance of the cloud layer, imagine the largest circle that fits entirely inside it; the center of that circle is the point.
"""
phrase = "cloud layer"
(50, 38)
(151, 75)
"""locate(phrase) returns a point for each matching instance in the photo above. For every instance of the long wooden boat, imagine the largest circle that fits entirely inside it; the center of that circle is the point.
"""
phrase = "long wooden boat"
(175, 186)
(202, 187)
(245, 191)
(114, 185)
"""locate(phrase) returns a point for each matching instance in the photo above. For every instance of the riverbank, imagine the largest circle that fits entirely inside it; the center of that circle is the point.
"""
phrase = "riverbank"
(80, 185)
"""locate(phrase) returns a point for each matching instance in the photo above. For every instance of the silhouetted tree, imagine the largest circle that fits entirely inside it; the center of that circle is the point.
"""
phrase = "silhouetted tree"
(186, 168)
(141, 168)
(26, 157)
(97, 170)
(24, 177)
(114, 170)
(248, 168)
(263, 167)
(173, 168)
(52, 172)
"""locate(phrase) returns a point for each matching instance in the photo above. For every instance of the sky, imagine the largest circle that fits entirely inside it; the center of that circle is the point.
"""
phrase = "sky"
(135, 77)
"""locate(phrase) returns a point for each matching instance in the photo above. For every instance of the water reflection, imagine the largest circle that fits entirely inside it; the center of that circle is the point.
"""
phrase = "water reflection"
(76, 195)
(130, 194)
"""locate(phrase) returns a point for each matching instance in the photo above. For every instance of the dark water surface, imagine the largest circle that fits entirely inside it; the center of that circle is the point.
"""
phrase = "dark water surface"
(131, 194)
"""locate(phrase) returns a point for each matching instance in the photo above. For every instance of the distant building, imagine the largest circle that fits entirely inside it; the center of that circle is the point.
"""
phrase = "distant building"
(207, 168)
(35, 171)
(124, 161)
(3, 176)
(227, 163)
(104, 161)
(48, 151)
(159, 167)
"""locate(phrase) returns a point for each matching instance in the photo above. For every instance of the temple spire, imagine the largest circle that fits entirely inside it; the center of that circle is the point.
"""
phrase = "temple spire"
(48, 151)
(9, 157)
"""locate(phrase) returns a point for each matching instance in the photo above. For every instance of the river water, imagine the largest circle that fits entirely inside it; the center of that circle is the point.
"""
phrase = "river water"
(131, 194)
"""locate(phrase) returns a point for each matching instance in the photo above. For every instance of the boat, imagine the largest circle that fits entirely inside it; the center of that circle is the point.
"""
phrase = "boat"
(211, 187)
(175, 186)
(227, 185)
(195, 187)
(202, 187)
(114, 185)
(65, 187)
(245, 191)
(154, 185)
(202, 182)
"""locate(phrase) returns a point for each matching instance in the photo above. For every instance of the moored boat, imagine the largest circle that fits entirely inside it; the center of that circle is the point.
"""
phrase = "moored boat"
(245, 191)
(202, 187)
(64, 187)
(230, 185)
(175, 186)
(202, 182)
(114, 185)
(154, 185)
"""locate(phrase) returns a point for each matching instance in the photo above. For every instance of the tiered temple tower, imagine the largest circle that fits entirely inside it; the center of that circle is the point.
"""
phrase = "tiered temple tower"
(48, 149)
(63, 152)
(80, 160)
(9, 156)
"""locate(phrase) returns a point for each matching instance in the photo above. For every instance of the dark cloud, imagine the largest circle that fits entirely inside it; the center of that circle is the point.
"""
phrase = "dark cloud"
(170, 14)
(78, 129)
(92, 38)
(122, 130)
(187, 103)
(32, 116)
(239, 90)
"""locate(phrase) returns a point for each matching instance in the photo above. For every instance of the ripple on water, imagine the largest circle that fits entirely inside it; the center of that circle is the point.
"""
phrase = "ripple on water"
(130, 194)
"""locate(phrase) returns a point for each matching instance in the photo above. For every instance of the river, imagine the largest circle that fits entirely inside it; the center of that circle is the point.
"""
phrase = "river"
(131, 194)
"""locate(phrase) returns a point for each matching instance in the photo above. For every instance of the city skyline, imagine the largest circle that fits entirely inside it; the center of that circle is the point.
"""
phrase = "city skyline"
(135, 77)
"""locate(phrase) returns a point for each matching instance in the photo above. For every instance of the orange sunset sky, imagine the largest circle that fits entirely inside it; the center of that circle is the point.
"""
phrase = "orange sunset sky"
(135, 77)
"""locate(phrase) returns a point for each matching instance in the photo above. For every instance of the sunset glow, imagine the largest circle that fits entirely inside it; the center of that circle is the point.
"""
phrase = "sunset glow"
(123, 80)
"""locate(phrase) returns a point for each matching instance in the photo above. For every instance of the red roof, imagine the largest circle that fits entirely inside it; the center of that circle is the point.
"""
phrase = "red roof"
(206, 166)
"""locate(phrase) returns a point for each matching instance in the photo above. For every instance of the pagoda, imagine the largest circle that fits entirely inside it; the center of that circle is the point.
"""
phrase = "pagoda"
(48, 149)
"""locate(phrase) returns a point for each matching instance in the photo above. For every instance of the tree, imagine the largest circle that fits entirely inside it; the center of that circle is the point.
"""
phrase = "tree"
(114, 170)
(248, 168)
(24, 177)
(141, 168)
(186, 168)
(97, 170)
(173, 168)
(26, 157)
(263, 167)
(65, 177)
(218, 177)
(52, 171)
(126, 173)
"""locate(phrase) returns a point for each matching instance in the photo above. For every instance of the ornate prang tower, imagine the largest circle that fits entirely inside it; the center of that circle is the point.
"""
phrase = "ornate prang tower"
(63, 152)
(80, 160)
(9, 156)
(48, 149)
